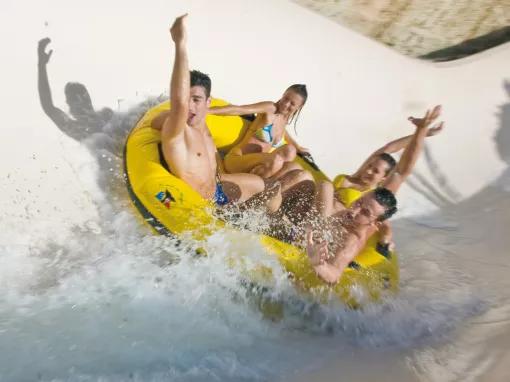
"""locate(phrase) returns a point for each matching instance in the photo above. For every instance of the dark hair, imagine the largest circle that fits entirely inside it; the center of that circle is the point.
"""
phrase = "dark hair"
(303, 92)
(299, 89)
(387, 199)
(201, 79)
(388, 159)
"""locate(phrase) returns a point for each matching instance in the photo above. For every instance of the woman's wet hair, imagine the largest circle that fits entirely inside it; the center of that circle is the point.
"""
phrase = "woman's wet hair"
(303, 92)
(299, 89)
(387, 199)
(388, 159)
(198, 78)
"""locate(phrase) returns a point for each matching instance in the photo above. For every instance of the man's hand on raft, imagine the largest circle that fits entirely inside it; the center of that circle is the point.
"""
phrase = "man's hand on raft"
(178, 29)
(41, 50)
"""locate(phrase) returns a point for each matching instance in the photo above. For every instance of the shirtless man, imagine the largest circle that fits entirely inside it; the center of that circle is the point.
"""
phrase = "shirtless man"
(350, 228)
(187, 145)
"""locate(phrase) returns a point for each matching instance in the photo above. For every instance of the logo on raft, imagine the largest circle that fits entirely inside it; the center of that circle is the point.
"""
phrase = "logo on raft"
(165, 198)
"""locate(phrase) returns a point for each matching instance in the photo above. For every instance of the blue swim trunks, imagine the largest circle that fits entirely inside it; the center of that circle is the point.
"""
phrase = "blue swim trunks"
(219, 196)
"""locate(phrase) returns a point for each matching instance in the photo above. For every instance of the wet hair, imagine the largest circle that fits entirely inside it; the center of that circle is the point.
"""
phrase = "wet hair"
(303, 92)
(299, 89)
(201, 79)
(387, 199)
(388, 159)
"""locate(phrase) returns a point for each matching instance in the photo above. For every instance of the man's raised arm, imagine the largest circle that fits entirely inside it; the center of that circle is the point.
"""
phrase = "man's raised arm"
(174, 126)
(413, 149)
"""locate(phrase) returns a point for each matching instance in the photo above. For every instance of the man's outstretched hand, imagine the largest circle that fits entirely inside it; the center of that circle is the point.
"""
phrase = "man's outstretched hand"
(426, 121)
(178, 29)
(41, 50)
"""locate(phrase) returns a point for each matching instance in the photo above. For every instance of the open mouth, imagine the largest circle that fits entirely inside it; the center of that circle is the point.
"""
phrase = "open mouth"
(191, 116)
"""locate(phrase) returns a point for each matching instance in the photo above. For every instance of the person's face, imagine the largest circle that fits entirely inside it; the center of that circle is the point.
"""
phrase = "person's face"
(198, 104)
(374, 172)
(290, 103)
(365, 210)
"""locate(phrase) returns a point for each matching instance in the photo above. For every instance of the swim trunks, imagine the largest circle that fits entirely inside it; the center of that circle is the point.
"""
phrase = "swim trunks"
(220, 198)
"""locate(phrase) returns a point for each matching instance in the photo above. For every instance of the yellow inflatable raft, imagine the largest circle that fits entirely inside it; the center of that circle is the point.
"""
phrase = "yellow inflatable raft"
(172, 207)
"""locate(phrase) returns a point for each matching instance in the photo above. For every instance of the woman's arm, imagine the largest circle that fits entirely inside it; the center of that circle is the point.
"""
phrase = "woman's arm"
(399, 144)
(254, 108)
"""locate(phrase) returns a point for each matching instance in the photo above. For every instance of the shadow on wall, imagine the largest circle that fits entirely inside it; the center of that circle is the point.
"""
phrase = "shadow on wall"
(502, 136)
(502, 140)
(443, 194)
(103, 131)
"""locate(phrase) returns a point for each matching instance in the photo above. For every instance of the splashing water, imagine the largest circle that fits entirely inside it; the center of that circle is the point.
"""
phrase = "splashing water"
(110, 301)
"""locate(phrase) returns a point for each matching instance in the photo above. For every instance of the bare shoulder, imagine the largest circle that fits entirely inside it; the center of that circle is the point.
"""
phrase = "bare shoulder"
(270, 107)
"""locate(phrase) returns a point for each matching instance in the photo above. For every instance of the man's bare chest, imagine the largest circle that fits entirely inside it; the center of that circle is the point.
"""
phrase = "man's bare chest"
(200, 146)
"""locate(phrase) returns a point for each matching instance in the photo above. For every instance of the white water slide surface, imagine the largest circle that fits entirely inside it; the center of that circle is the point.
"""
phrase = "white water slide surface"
(86, 291)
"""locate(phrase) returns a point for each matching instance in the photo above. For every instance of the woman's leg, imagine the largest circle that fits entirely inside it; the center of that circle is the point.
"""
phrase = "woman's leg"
(298, 189)
(239, 163)
(290, 175)
(273, 165)
(324, 198)
(251, 190)
(241, 187)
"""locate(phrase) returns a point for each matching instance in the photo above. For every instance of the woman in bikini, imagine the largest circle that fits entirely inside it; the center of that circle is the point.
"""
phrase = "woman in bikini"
(263, 150)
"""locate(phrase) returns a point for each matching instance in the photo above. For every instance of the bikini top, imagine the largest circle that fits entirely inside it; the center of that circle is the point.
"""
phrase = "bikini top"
(265, 134)
(346, 195)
